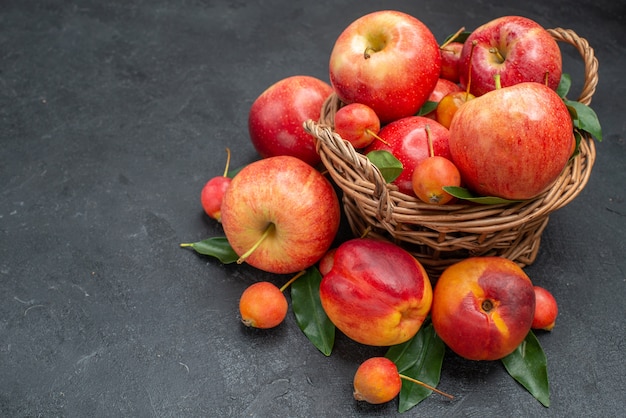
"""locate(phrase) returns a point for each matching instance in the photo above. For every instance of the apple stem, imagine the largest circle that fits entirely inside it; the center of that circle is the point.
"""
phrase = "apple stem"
(497, 54)
(293, 279)
(270, 228)
(427, 386)
(547, 78)
(431, 148)
(496, 79)
(227, 162)
(370, 132)
(452, 38)
(366, 231)
(367, 52)
(469, 71)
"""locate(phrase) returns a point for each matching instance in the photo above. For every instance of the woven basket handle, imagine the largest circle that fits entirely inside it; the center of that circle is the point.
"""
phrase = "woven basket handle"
(587, 54)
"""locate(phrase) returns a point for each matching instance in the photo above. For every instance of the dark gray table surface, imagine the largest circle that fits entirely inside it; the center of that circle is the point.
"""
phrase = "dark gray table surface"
(114, 114)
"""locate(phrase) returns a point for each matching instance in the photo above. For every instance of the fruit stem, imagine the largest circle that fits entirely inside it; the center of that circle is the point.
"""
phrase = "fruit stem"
(546, 78)
(367, 52)
(431, 149)
(496, 79)
(427, 386)
(227, 162)
(293, 279)
(270, 228)
(497, 54)
(452, 38)
(370, 132)
(469, 71)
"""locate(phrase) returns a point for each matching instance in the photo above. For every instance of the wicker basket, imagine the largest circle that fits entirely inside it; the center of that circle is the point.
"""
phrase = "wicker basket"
(442, 235)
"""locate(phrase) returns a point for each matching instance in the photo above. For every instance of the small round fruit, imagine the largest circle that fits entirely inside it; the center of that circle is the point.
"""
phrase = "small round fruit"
(212, 195)
(546, 309)
(448, 106)
(262, 305)
(431, 175)
(483, 307)
(357, 123)
(377, 381)
(326, 262)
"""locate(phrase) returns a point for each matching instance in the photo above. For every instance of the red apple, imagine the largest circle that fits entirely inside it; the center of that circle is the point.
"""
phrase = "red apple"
(407, 140)
(388, 60)
(376, 293)
(450, 57)
(546, 309)
(442, 89)
(276, 117)
(280, 214)
(517, 48)
(512, 142)
(483, 307)
(358, 124)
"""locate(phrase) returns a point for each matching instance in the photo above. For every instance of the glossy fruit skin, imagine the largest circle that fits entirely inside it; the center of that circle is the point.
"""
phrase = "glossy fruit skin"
(408, 141)
(448, 106)
(529, 53)
(277, 114)
(450, 57)
(376, 293)
(429, 178)
(355, 123)
(462, 297)
(262, 305)
(442, 89)
(546, 309)
(513, 142)
(212, 195)
(290, 194)
(387, 60)
(377, 381)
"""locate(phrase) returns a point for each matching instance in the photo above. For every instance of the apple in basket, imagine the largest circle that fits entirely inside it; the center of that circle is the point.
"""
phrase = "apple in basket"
(517, 48)
(387, 60)
(512, 142)
(407, 140)
(280, 214)
(276, 116)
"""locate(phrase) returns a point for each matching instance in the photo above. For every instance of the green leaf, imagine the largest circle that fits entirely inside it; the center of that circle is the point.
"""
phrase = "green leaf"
(420, 358)
(232, 173)
(390, 167)
(464, 194)
(564, 85)
(585, 118)
(528, 365)
(428, 107)
(461, 38)
(217, 247)
(310, 316)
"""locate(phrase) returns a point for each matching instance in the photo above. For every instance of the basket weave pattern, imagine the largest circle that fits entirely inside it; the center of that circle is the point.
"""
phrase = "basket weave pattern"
(441, 235)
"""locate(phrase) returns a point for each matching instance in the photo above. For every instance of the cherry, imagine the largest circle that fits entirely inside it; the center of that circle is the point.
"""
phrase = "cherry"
(263, 305)
(546, 309)
(432, 174)
(213, 192)
(358, 124)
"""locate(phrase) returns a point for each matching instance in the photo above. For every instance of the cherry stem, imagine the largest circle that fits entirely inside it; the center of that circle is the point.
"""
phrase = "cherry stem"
(427, 386)
(370, 132)
(469, 71)
(293, 279)
(452, 38)
(270, 228)
(227, 161)
(431, 148)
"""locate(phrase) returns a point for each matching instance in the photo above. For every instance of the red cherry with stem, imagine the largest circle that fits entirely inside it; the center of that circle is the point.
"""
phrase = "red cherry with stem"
(213, 192)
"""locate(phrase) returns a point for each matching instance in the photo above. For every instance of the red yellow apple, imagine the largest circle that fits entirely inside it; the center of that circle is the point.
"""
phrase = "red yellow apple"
(407, 140)
(387, 60)
(376, 293)
(280, 215)
(483, 307)
(512, 142)
(276, 117)
(516, 48)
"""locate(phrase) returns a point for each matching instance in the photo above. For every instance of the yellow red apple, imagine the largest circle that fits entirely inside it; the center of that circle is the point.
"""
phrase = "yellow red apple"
(376, 293)
(387, 60)
(280, 214)
(515, 47)
(483, 307)
(276, 116)
(512, 142)
(407, 140)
